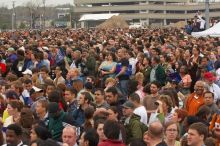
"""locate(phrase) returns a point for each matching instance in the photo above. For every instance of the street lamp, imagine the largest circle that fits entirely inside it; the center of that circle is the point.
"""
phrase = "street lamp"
(207, 13)
(44, 2)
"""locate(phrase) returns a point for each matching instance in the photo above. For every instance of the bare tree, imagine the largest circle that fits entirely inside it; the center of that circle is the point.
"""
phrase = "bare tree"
(34, 10)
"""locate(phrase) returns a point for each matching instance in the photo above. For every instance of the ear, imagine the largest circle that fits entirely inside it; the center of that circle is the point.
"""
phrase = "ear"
(87, 143)
(202, 137)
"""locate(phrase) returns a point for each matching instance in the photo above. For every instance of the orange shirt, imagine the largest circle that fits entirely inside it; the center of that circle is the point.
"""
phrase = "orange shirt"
(193, 104)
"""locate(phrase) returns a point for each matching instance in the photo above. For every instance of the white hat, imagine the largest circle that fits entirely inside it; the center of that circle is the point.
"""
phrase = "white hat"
(27, 72)
(45, 48)
(36, 89)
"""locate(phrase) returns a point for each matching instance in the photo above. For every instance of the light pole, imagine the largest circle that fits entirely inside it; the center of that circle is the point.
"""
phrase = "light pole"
(13, 16)
(44, 2)
(207, 13)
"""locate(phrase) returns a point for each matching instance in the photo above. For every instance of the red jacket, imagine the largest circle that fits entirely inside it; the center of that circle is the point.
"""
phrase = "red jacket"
(2, 68)
(109, 142)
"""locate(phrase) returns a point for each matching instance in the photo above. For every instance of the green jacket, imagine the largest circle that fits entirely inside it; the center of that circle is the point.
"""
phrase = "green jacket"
(56, 126)
(133, 128)
(160, 75)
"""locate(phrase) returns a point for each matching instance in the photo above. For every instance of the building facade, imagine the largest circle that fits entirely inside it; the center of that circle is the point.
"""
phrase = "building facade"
(147, 12)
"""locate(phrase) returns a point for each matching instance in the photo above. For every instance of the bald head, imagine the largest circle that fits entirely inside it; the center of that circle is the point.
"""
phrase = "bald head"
(156, 129)
(199, 87)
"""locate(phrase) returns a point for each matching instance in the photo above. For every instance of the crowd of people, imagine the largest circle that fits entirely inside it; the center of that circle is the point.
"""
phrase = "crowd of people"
(136, 87)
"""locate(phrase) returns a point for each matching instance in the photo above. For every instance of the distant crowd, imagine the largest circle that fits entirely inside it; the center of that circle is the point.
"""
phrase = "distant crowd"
(116, 87)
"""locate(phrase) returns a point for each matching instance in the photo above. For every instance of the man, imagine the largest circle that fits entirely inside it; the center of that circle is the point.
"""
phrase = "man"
(139, 109)
(154, 135)
(100, 99)
(197, 133)
(70, 98)
(210, 80)
(41, 109)
(84, 102)
(44, 75)
(69, 136)
(57, 120)
(111, 95)
(14, 136)
(89, 138)
(121, 70)
(36, 94)
(209, 101)
(196, 99)
(132, 122)
(157, 72)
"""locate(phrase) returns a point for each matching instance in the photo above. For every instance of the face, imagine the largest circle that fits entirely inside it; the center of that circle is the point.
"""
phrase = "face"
(98, 96)
(69, 137)
(204, 62)
(112, 115)
(12, 138)
(43, 74)
(171, 132)
(145, 61)
(193, 137)
(82, 141)
(57, 70)
(195, 51)
(126, 111)
(101, 132)
(39, 108)
(33, 135)
(175, 117)
(199, 88)
(81, 99)
(209, 99)
(10, 109)
(153, 89)
(28, 86)
(68, 96)
(162, 59)
(110, 97)
(187, 54)
(109, 57)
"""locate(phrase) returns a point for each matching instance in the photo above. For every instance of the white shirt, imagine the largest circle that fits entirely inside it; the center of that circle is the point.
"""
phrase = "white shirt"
(132, 62)
(142, 112)
(20, 144)
(216, 90)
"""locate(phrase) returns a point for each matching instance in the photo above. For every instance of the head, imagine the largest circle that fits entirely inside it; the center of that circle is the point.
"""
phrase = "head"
(128, 108)
(85, 98)
(70, 94)
(179, 115)
(167, 103)
(28, 84)
(14, 107)
(155, 60)
(154, 87)
(13, 134)
(197, 133)
(199, 88)
(99, 95)
(209, 98)
(135, 99)
(69, 135)
(89, 138)
(99, 125)
(39, 132)
(112, 113)
(111, 95)
(209, 78)
(154, 133)
(111, 129)
(41, 107)
(44, 72)
(171, 131)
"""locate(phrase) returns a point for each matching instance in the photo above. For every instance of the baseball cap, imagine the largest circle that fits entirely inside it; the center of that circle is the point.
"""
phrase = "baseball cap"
(27, 72)
(10, 49)
(128, 104)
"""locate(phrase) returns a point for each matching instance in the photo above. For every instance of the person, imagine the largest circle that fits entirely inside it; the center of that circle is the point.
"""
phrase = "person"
(59, 78)
(157, 72)
(57, 120)
(186, 80)
(70, 95)
(209, 101)
(210, 81)
(154, 135)
(171, 134)
(196, 99)
(98, 125)
(132, 122)
(13, 136)
(197, 134)
(89, 138)
(139, 109)
(100, 99)
(42, 111)
(112, 133)
(69, 136)
(39, 132)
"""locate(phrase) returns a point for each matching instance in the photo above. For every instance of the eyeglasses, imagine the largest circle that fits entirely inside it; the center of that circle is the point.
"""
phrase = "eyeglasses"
(172, 130)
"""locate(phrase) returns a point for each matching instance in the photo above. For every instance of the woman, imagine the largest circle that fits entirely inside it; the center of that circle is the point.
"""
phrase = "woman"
(14, 108)
(171, 134)
(186, 80)
(108, 67)
(39, 132)
(145, 68)
(59, 79)
(99, 124)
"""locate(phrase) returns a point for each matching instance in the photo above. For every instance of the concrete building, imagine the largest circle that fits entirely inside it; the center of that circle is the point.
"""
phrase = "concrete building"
(147, 12)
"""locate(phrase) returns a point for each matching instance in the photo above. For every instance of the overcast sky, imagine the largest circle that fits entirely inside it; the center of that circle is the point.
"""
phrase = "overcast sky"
(23, 2)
